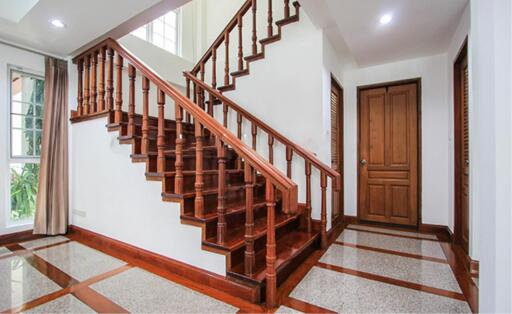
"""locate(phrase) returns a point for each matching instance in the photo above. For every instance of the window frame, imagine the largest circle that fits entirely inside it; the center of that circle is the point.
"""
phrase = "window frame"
(10, 223)
(178, 28)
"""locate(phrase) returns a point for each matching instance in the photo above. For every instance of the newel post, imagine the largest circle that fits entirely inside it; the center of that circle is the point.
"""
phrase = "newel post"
(271, 278)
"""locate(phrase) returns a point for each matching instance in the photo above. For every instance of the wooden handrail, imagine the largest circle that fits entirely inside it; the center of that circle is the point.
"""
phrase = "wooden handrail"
(220, 39)
(317, 163)
(287, 187)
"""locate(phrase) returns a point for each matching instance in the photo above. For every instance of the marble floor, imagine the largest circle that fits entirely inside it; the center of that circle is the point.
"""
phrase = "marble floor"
(367, 269)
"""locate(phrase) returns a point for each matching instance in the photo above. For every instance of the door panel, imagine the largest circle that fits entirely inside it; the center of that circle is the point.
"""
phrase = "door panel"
(465, 157)
(388, 150)
(337, 146)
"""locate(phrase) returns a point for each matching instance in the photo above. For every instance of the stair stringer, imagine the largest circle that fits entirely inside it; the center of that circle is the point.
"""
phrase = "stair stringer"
(119, 203)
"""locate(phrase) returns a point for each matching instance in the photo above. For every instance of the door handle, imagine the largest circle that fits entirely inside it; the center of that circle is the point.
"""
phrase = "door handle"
(363, 162)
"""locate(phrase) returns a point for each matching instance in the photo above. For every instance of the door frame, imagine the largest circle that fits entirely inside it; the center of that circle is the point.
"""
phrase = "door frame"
(457, 140)
(340, 126)
(417, 82)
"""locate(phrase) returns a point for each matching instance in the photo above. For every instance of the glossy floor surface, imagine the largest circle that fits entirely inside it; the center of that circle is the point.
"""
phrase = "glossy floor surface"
(366, 269)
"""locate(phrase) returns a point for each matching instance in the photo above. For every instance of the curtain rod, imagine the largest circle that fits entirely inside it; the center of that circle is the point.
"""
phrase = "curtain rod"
(17, 46)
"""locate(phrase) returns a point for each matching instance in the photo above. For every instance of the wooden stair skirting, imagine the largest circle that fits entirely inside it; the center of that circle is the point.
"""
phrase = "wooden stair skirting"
(247, 209)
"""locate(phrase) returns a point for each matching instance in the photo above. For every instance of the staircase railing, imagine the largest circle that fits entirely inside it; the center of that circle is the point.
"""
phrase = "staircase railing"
(202, 89)
(211, 55)
(97, 95)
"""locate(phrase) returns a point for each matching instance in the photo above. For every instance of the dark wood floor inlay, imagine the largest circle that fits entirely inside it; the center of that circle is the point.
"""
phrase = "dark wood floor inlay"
(91, 298)
(392, 281)
(303, 306)
(392, 234)
(369, 248)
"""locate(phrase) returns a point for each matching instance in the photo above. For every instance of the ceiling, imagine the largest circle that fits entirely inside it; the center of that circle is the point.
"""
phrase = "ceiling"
(419, 27)
(85, 21)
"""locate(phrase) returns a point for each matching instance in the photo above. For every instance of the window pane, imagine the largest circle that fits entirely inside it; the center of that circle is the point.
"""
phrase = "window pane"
(38, 111)
(170, 18)
(158, 27)
(39, 123)
(141, 32)
(37, 142)
(21, 122)
(22, 87)
(158, 40)
(24, 184)
(39, 92)
(22, 108)
(22, 142)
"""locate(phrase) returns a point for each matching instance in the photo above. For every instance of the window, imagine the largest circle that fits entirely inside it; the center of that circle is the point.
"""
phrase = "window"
(26, 114)
(162, 32)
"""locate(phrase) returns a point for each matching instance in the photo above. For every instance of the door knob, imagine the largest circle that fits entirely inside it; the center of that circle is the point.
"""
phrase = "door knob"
(363, 162)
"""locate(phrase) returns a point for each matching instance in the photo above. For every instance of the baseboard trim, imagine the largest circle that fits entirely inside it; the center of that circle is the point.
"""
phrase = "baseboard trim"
(122, 249)
(443, 232)
(20, 236)
(350, 219)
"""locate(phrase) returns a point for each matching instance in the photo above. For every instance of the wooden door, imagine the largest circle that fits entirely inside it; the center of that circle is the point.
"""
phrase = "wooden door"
(388, 154)
(462, 151)
(337, 146)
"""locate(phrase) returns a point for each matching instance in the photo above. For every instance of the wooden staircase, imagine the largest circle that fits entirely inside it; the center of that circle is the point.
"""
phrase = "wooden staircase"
(247, 209)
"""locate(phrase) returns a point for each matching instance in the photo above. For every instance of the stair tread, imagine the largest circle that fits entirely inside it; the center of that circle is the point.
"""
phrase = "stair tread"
(229, 211)
(287, 247)
(226, 88)
(257, 56)
(235, 238)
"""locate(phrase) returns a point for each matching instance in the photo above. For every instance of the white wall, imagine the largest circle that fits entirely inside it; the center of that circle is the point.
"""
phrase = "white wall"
(491, 151)
(118, 202)
(435, 158)
(29, 62)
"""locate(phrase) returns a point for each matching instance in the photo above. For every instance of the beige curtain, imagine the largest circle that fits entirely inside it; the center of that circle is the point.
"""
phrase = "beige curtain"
(52, 198)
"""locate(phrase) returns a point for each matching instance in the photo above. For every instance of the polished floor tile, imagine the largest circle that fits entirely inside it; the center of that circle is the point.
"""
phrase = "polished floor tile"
(412, 246)
(20, 283)
(4, 251)
(79, 261)
(350, 294)
(139, 291)
(414, 270)
(283, 309)
(43, 242)
(65, 304)
(397, 232)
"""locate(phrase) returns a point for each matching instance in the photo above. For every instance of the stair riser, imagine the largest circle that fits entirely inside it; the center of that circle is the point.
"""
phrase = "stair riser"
(210, 181)
(210, 201)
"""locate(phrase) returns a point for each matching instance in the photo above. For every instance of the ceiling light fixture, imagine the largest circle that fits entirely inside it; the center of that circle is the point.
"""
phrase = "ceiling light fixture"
(385, 19)
(57, 23)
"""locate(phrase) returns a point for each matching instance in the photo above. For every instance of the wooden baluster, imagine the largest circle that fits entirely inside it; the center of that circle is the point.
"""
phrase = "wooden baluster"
(86, 86)
(145, 116)
(254, 132)
(221, 197)
(289, 156)
(214, 68)
(250, 258)
(271, 280)
(323, 215)
(118, 115)
(94, 93)
(239, 120)
(286, 8)
(80, 97)
(225, 114)
(254, 29)
(160, 140)
(210, 104)
(270, 29)
(308, 196)
(188, 96)
(240, 47)
(226, 69)
(131, 100)
(178, 178)
(199, 200)
(110, 80)
(200, 91)
(271, 149)
(101, 82)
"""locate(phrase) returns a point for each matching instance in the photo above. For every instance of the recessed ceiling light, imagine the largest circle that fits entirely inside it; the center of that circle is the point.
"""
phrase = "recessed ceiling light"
(385, 19)
(57, 23)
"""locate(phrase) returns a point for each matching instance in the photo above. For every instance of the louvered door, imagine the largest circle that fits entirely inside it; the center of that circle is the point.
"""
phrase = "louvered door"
(464, 215)
(337, 145)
